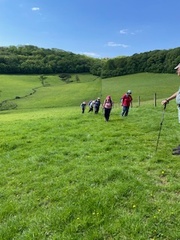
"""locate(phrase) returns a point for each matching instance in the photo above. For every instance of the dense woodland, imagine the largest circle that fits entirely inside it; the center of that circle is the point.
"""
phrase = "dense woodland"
(30, 59)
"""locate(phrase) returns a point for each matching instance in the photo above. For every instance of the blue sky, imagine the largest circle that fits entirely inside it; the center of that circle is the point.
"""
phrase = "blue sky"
(97, 28)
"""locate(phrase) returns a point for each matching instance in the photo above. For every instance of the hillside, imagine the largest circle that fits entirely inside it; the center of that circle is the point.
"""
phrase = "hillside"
(33, 60)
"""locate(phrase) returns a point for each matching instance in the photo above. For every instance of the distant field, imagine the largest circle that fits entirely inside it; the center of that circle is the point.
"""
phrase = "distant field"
(55, 94)
(143, 85)
(58, 93)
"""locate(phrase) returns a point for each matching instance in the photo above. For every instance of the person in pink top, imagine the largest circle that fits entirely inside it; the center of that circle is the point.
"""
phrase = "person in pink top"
(107, 105)
(126, 102)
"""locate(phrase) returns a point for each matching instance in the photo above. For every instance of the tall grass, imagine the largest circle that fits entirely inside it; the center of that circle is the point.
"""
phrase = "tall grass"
(68, 175)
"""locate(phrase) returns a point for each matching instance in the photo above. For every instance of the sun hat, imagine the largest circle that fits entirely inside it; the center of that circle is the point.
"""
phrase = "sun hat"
(178, 66)
(129, 91)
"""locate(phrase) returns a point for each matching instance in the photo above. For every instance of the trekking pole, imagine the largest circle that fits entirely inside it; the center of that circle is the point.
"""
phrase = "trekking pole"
(160, 126)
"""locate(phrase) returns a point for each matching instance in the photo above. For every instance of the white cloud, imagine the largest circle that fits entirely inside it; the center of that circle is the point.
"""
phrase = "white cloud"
(126, 31)
(123, 31)
(91, 54)
(35, 9)
(113, 44)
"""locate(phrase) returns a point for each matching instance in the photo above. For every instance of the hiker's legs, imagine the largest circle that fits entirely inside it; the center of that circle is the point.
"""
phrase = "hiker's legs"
(96, 110)
(127, 111)
(107, 113)
(124, 109)
(176, 151)
(91, 109)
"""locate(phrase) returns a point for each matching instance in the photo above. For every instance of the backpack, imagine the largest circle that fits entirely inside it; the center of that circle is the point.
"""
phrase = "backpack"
(97, 103)
(108, 104)
(89, 103)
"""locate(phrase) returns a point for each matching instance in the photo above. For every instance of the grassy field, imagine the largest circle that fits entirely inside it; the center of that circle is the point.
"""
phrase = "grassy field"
(72, 176)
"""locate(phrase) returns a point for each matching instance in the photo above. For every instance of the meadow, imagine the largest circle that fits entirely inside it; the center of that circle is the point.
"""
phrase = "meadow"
(72, 176)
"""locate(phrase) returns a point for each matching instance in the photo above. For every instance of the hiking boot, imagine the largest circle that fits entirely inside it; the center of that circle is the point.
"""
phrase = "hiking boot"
(176, 152)
(177, 148)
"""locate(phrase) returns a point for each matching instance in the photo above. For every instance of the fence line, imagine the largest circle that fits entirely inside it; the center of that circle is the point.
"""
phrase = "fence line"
(154, 98)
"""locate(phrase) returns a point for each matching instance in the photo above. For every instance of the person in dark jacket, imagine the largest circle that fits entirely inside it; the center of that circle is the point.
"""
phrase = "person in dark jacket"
(83, 106)
(97, 105)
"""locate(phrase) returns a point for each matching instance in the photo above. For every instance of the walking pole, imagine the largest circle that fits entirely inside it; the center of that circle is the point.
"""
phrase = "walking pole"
(160, 126)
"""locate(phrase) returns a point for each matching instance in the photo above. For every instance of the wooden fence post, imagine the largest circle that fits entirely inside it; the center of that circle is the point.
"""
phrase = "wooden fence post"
(155, 99)
(139, 101)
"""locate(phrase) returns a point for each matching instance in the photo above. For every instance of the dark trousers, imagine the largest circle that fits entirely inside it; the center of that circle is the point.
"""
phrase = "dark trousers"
(125, 110)
(96, 109)
(90, 109)
(107, 112)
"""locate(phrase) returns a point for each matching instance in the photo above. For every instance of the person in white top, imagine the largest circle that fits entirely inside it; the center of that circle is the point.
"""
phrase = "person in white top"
(176, 151)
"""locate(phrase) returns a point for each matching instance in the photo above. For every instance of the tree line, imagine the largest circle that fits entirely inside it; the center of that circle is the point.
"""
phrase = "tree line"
(28, 59)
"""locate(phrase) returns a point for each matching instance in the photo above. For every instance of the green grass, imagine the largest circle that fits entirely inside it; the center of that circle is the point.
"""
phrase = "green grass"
(67, 175)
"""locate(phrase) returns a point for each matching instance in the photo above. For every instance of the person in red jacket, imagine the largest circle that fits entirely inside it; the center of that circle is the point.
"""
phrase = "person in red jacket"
(126, 102)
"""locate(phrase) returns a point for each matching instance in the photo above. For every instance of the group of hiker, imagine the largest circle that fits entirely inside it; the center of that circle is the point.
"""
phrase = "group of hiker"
(126, 102)
(94, 105)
